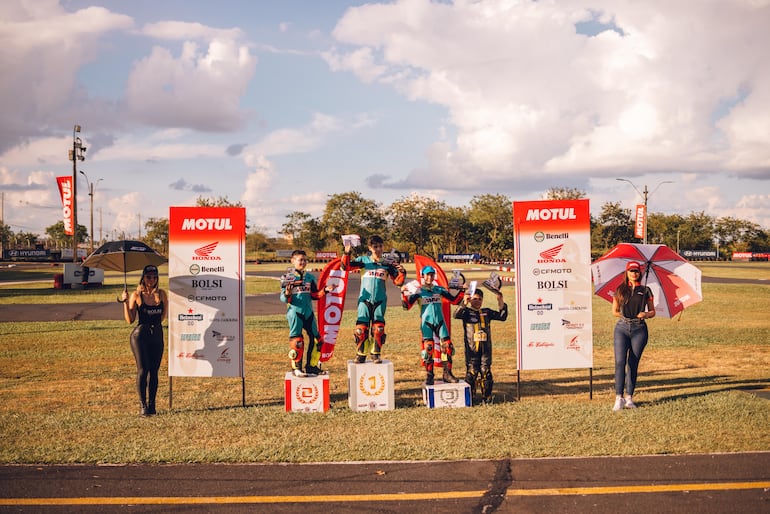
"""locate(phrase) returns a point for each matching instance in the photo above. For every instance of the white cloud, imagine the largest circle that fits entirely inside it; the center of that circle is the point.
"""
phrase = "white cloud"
(528, 94)
(42, 47)
(199, 89)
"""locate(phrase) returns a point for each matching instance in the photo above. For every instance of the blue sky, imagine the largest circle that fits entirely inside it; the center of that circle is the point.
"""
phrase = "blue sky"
(280, 104)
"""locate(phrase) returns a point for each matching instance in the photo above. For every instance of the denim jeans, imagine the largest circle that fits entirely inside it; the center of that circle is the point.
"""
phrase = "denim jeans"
(630, 340)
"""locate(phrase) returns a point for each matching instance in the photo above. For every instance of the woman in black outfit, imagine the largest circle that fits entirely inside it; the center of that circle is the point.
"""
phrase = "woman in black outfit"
(148, 303)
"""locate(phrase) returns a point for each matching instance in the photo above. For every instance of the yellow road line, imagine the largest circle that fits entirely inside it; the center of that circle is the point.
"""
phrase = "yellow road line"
(341, 498)
(626, 489)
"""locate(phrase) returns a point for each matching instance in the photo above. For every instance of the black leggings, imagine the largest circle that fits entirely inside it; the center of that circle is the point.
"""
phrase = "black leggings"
(147, 346)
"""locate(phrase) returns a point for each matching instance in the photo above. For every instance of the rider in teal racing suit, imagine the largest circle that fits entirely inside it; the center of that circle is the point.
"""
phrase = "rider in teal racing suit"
(432, 322)
(372, 300)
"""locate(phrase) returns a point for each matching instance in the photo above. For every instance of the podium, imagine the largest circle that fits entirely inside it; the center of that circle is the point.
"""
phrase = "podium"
(370, 386)
(306, 394)
(442, 394)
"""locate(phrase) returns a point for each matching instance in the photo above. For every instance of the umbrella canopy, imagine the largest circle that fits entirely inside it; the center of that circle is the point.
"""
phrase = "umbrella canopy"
(123, 256)
(675, 283)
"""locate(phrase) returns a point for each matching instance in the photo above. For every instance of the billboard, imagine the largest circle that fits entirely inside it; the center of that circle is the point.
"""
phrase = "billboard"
(206, 272)
(553, 284)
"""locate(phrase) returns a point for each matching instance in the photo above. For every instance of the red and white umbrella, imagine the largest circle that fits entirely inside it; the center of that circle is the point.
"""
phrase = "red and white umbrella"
(674, 282)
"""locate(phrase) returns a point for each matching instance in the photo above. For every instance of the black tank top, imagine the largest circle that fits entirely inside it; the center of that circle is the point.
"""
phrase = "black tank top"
(150, 314)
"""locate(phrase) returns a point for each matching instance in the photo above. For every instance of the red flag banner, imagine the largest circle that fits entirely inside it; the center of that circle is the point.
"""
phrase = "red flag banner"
(65, 191)
(331, 305)
(640, 222)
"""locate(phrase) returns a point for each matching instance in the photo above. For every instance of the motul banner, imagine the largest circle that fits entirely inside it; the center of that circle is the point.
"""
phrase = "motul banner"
(207, 302)
(331, 306)
(65, 191)
(553, 284)
(640, 222)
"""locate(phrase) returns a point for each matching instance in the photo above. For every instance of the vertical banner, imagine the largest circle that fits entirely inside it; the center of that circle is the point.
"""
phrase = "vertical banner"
(553, 284)
(207, 302)
(331, 306)
(640, 222)
(65, 191)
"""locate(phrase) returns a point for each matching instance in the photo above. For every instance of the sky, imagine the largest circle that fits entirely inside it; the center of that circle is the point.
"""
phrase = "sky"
(278, 105)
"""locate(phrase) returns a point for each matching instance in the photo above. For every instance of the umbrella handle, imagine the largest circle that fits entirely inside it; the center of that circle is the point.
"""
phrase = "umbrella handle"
(125, 290)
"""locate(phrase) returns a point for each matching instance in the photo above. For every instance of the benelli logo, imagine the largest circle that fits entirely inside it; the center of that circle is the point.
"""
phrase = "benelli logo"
(204, 253)
(549, 256)
(563, 213)
(207, 224)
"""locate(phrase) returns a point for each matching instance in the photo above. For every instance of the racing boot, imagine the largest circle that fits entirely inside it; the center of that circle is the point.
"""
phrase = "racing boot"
(447, 376)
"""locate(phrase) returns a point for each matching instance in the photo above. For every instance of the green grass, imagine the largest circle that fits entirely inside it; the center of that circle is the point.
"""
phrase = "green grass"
(68, 396)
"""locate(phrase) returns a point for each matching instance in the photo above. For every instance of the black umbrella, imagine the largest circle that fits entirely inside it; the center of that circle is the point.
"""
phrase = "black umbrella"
(124, 256)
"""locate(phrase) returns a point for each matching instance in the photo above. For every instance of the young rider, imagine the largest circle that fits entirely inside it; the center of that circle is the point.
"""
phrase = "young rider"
(477, 334)
(298, 294)
(432, 322)
(372, 300)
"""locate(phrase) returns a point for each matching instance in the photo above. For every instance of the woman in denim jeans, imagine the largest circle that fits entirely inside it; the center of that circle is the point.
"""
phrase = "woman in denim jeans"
(632, 303)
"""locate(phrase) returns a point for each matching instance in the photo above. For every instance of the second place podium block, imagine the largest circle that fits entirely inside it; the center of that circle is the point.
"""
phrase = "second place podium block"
(306, 394)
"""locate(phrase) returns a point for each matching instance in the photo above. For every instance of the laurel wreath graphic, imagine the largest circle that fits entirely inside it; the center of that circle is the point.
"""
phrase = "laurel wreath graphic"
(362, 388)
(300, 399)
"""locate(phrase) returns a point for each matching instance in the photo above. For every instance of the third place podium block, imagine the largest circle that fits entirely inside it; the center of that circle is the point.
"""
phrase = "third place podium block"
(370, 386)
(442, 394)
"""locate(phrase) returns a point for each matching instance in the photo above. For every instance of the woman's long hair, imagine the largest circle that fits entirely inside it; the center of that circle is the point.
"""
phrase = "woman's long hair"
(623, 292)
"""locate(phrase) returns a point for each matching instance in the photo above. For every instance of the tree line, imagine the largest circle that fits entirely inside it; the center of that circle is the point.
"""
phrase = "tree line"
(424, 225)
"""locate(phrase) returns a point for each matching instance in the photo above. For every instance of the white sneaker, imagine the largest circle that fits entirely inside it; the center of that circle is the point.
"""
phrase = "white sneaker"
(630, 404)
(620, 402)
(299, 373)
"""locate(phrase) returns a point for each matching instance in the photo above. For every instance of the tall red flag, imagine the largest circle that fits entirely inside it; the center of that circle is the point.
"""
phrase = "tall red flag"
(331, 305)
(65, 191)
(640, 222)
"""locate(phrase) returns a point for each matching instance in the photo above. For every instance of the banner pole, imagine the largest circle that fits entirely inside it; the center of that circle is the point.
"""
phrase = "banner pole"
(170, 392)
(518, 385)
(590, 383)
(243, 391)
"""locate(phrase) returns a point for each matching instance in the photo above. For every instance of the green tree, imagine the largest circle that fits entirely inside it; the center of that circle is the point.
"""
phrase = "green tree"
(416, 221)
(564, 193)
(697, 231)
(492, 220)
(351, 213)
(156, 234)
(292, 228)
(220, 201)
(56, 233)
(613, 225)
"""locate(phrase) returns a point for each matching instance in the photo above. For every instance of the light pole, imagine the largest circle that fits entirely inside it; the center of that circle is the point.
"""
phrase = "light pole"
(645, 194)
(76, 154)
(91, 194)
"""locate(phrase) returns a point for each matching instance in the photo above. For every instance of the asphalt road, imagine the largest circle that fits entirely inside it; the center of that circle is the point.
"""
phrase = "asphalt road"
(654, 484)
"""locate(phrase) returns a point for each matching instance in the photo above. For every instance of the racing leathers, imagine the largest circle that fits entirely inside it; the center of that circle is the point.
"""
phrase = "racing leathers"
(372, 302)
(299, 313)
(477, 335)
(432, 324)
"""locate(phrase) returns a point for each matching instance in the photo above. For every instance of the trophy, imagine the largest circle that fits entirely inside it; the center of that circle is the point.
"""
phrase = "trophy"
(353, 239)
(391, 258)
(290, 278)
(493, 283)
(457, 281)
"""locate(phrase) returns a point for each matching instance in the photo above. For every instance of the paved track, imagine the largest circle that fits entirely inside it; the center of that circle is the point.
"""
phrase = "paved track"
(654, 484)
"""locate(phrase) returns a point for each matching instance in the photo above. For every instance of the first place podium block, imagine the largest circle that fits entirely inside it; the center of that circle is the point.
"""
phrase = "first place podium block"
(443, 394)
(370, 386)
(306, 394)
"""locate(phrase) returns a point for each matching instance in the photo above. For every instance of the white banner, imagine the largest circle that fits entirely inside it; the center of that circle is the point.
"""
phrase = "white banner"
(553, 284)
(207, 302)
